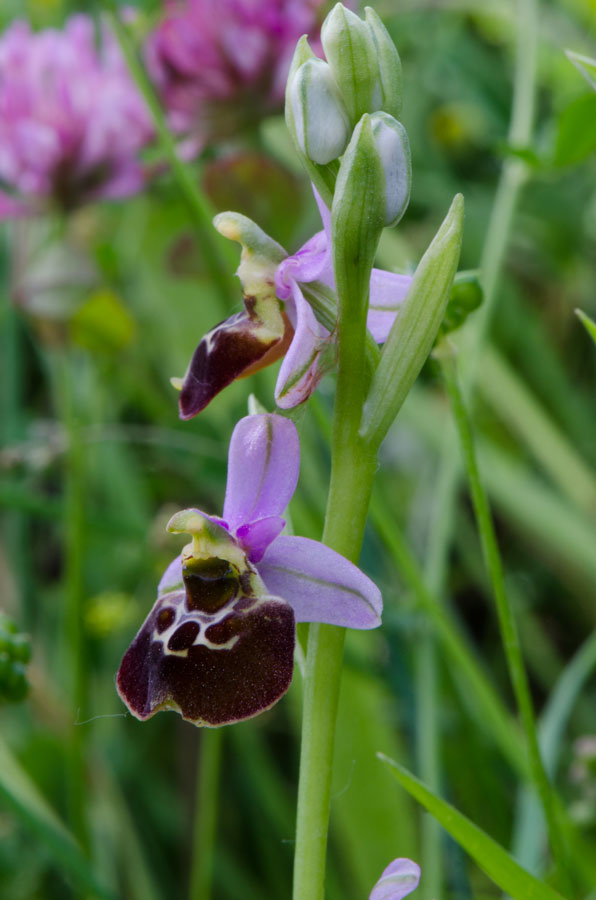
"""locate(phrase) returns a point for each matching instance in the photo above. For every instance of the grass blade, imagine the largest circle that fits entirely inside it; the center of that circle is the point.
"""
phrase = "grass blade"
(488, 855)
(21, 795)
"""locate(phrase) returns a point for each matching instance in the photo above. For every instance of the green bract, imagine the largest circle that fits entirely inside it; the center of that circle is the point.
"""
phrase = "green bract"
(357, 218)
(415, 328)
(389, 65)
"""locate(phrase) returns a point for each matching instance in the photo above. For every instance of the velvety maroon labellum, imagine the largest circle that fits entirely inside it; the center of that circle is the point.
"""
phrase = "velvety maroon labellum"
(236, 347)
(216, 664)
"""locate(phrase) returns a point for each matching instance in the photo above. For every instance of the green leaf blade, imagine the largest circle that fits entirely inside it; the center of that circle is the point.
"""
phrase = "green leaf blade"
(486, 853)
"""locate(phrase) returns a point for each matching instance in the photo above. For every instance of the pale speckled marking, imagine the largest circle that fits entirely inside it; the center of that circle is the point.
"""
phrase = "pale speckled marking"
(205, 621)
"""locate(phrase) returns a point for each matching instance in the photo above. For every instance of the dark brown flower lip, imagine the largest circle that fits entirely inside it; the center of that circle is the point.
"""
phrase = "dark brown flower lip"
(235, 348)
(213, 669)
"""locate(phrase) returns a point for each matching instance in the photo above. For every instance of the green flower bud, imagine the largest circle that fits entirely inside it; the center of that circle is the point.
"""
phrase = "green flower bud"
(393, 147)
(389, 84)
(320, 119)
(466, 296)
(350, 50)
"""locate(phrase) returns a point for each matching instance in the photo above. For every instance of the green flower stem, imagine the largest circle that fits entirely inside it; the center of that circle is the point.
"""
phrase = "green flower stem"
(353, 465)
(511, 644)
(346, 519)
(205, 824)
(217, 257)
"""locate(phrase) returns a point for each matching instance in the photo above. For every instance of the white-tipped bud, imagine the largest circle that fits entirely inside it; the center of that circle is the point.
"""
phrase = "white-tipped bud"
(387, 95)
(320, 118)
(350, 51)
(393, 147)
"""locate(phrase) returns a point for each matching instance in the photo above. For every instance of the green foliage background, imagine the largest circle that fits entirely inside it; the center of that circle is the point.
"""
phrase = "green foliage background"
(94, 460)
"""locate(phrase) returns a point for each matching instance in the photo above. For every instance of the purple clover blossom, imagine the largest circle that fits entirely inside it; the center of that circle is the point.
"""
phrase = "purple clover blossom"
(399, 879)
(218, 645)
(280, 320)
(71, 120)
(220, 64)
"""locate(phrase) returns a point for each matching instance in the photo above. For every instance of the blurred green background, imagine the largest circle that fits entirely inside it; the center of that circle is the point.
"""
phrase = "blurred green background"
(100, 311)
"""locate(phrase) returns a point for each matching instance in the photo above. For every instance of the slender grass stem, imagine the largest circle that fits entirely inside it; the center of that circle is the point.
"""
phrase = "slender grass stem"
(510, 182)
(64, 378)
(479, 688)
(214, 255)
(205, 823)
(427, 666)
(14, 526)
(509, 635)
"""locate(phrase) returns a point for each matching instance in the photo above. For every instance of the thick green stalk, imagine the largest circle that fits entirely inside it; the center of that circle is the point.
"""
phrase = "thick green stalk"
(353, 465)
(205, 824)
(200, 209)
(346, 517)
(509, 635)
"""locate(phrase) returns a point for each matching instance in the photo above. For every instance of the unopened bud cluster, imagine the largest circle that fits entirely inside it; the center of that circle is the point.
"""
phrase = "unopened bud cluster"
(15, 653)
(327, 100)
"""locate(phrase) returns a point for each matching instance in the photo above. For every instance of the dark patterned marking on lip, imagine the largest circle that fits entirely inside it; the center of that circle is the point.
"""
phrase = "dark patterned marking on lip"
(184, 637)
(212, 685)
(165, 619)
(228, 351)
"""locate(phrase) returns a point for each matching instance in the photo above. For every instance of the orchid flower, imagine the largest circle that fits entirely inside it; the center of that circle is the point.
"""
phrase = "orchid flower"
(72, 122)
(399, 879)
(278, 318)
(218, 644)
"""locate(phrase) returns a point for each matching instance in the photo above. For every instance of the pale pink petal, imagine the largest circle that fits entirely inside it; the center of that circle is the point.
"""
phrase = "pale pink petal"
(399, 879)
(263, 465)
(387, 293)
(300, 371)
(255, 537)
(320, 584)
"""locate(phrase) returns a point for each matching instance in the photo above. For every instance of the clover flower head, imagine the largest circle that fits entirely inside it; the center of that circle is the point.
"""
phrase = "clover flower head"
(71, 121)
(218, 644)
(278, 319)
(221, 64)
